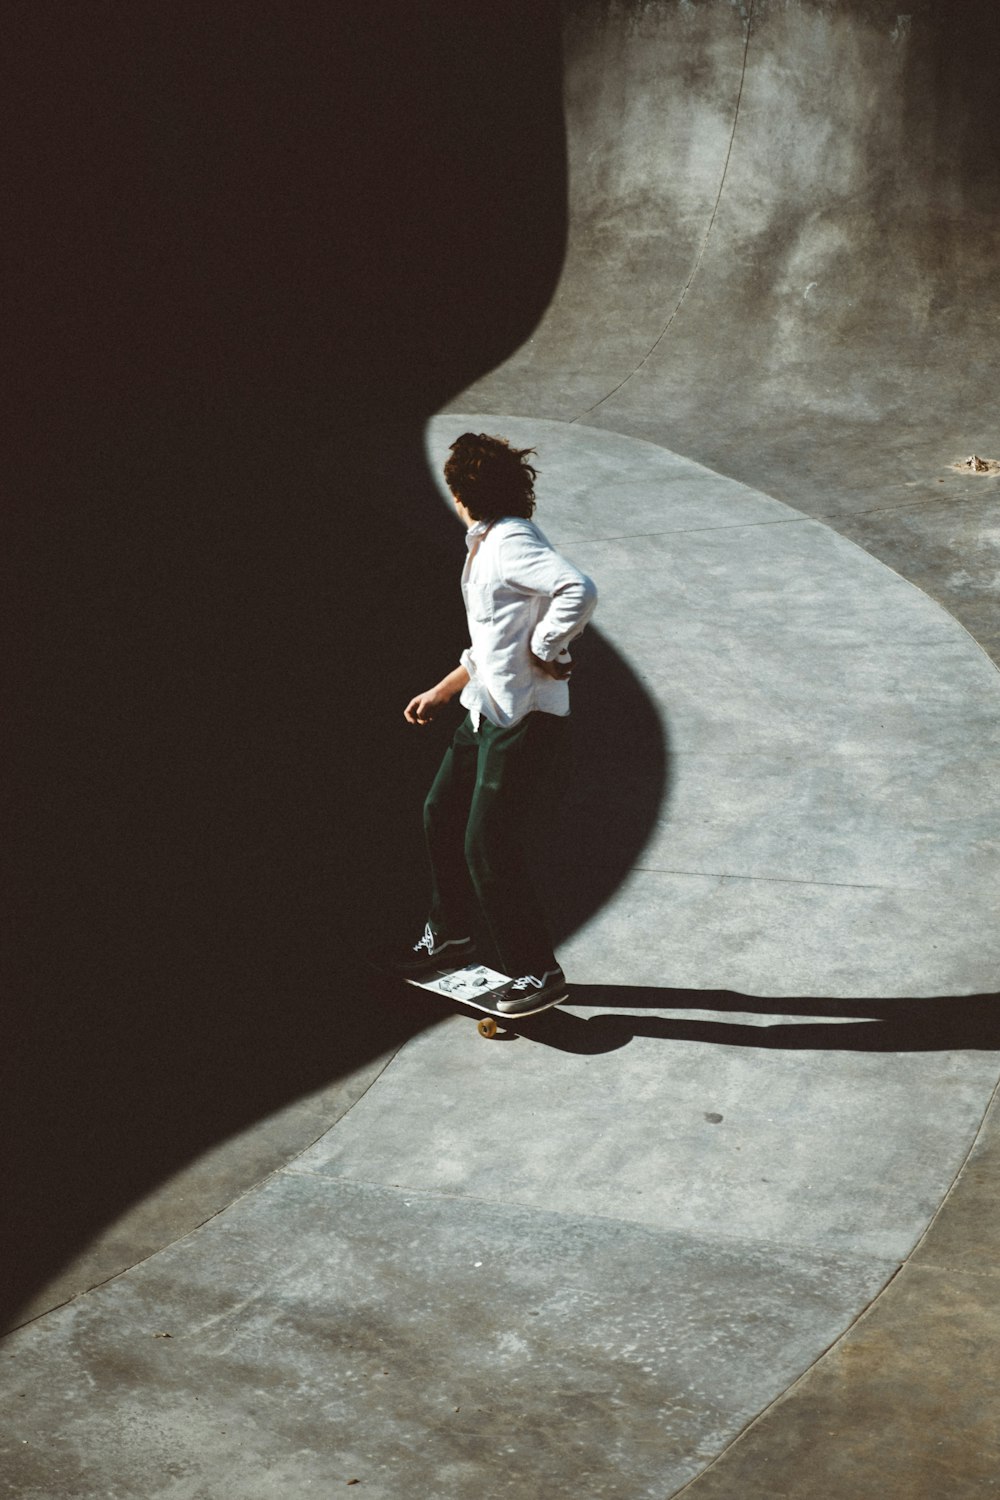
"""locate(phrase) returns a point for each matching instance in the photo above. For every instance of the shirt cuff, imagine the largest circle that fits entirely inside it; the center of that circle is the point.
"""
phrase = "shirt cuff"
(546, 650)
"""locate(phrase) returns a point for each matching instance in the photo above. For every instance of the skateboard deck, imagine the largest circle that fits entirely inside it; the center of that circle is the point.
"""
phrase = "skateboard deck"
(473, 985)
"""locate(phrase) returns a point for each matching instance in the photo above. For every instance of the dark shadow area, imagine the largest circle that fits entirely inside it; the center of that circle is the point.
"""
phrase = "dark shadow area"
(250, 250)
(956, 85)
(951, 1023)
(254, 248)
(620, 785)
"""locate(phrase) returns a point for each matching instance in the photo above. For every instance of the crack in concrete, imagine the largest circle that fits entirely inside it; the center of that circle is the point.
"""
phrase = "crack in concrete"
(862, 1316)
(708, 233)
(643, 536)
(847, 885)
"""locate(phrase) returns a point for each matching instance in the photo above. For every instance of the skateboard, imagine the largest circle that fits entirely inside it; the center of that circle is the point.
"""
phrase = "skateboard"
(472, 985)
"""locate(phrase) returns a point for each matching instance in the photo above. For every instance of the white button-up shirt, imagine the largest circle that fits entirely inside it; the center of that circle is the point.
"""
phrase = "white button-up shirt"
(520, 596)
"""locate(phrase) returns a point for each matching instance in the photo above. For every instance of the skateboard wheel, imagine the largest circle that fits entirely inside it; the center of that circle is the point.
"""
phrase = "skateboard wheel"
(487, 1027)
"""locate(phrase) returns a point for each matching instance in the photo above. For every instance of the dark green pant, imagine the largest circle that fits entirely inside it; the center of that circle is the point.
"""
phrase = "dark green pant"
(479, 817)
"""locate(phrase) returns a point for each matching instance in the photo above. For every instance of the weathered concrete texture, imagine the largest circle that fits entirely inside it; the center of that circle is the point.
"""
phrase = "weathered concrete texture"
(788, 269)
(834, 1149)
(321, 1332)
(822, 328)
(828, 940)
(908, 1403)
(964, 1236)
(906, 1408)
(947, 543)
(203, 1188)
(832, 823)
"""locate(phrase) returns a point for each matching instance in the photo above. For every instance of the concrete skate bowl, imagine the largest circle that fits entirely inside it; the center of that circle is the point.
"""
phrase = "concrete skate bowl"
(784, 228)
(778, 272)
(781, 233)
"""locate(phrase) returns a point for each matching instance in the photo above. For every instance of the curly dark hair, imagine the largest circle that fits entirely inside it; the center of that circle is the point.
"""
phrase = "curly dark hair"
(491, 478)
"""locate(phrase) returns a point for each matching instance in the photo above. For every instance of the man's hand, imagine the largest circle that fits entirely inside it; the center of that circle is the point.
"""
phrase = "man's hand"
(561, 669)
(422, 708)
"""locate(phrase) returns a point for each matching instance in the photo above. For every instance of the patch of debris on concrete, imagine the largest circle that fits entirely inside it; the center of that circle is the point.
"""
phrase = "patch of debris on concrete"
(976, 465)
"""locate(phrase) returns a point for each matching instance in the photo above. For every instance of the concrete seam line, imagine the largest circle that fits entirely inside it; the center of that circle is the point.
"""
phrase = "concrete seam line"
(930, 502)
(844, 885)
(955, 1180)
(645, 536)
(802, 1250)
(704, 244)
(939, 604)
(861, 1317)
(254, 1187)
(943, 1268)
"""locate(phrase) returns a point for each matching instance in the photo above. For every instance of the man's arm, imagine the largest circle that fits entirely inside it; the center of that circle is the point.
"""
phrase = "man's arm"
(532, 566)
(422, 708)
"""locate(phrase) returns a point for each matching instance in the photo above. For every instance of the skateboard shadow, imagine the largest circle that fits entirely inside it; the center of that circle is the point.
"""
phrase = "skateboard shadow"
(942, 1024)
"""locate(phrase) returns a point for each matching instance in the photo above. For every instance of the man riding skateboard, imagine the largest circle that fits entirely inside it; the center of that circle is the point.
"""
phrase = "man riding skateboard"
(525, 603)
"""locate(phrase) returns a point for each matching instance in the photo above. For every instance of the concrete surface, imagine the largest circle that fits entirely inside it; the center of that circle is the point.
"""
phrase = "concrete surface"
(781, 261)
(907, 1403)
(654, 1212)
(803, 301)
(418, 1344)
(725, 1226)
(199, 1190)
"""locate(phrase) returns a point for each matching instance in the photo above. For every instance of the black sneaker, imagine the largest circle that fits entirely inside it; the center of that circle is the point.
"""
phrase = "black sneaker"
(531, 992)
(432, 952)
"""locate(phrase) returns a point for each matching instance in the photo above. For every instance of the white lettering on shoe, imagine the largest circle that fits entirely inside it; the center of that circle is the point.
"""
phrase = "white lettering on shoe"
(530, 981)
(431, 945)
(427, 941)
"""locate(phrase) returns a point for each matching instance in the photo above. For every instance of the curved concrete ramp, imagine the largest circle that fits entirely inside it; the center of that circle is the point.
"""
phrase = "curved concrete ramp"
(581, 1259)
(784, 227)
(781, 263)
(832, 824)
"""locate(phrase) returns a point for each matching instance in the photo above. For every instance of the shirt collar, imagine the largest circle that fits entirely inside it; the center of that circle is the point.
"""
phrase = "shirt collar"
(476, 533)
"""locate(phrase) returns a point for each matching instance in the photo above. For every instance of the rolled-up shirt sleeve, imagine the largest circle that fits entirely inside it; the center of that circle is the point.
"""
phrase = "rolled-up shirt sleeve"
(531, 566)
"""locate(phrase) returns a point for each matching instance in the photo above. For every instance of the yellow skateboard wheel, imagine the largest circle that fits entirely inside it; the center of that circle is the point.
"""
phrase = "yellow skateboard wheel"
(487, 1027)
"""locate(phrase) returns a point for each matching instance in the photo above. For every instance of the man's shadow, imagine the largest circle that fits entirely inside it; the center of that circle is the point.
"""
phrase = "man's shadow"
(950, 1023)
